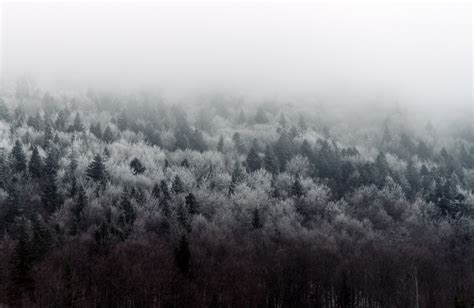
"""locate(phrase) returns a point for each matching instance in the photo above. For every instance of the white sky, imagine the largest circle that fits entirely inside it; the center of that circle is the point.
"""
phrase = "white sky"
(417, 50)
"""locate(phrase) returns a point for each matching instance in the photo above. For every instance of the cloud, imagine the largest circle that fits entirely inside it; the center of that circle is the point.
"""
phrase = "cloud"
(416, 51)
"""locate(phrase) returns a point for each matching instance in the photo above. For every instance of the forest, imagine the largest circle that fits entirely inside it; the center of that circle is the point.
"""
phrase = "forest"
(129, 200)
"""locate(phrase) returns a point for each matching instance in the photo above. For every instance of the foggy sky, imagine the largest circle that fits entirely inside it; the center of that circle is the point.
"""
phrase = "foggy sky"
(416, 51)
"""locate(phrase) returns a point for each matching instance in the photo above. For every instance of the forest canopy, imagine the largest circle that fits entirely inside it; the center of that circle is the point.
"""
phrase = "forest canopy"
(130, 200)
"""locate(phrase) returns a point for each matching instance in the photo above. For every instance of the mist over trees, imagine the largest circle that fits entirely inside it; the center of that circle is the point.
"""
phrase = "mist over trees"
(129, 200)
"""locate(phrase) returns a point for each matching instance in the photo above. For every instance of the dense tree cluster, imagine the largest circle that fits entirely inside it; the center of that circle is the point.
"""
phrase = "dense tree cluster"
(129, 201)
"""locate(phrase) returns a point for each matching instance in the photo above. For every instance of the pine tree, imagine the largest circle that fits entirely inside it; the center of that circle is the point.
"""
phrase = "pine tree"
(73, 188)
(96, 130)
(49, 196)
(253, 160)
(127, 207)
(237, 173)
(383, 167)
(108, 136)
(238, 143)
(165, 194)
(270, 161)
(192, 204)
(60, 123)
(97, 171)
(48, 135)
(197, 141)
(78, 126)
(35, 165)
(156, 191)
(18, 158)
(136, 166)
(183, 256)
(122, 121)
(297, 189)
(220, 144)
(412, 177)
(178, 186)
(306, 150)
(284, 149)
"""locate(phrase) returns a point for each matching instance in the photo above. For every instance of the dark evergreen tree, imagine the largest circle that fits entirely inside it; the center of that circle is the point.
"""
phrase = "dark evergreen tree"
(60, 122)
(307, 151)
(50, 197)
(78, 126)
(122, 121)
(35, 165)
(96, 130)
(382, 167)
(297, 189)
(237, 173)
(18, 158)
(178, 186)
(108, 136)
(253, 160)
(48, 135)
(127, 207)
(412, 177)
(137, 166)
(284, 149)
(182, 140)
(192, 204)
(156, 191)
(238, 143)
(73, 188)
(197, 141)
(270, 161)
(165, 194)
(97, 171)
